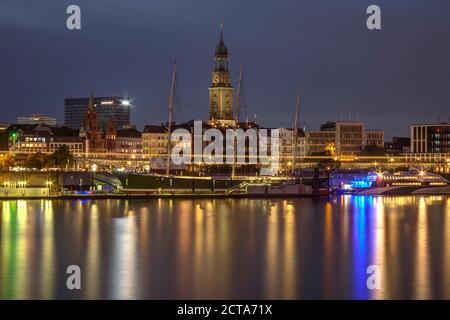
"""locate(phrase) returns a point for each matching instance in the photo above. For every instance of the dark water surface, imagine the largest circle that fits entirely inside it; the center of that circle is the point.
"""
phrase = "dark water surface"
(240, 249)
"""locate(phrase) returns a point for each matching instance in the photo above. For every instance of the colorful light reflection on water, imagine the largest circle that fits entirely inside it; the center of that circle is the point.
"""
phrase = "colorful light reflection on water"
(208, 249)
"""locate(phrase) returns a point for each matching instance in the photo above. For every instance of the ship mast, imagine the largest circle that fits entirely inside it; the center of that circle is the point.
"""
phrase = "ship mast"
(236, 118)
(170, 106)
(238, 93)
(295, 133)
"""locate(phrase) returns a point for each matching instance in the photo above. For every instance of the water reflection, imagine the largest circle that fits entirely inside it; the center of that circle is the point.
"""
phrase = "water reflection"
(211, 249)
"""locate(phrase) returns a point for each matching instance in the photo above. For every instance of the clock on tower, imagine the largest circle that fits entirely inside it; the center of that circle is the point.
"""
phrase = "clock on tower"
(221, 91)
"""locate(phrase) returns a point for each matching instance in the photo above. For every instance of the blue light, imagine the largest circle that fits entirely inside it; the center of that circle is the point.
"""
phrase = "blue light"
(348, 182)
(363, 182)
(83, 192)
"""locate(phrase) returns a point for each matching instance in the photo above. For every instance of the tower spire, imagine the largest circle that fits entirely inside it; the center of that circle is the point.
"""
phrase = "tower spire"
(221, 31)
(91, 102)
(221, 90)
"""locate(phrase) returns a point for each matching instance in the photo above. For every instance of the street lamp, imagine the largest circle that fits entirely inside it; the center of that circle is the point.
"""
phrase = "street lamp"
(48, 183)
(328, 180)
(289, 164)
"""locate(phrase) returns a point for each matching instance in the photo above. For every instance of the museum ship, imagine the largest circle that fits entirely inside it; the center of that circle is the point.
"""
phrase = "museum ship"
(225, 112)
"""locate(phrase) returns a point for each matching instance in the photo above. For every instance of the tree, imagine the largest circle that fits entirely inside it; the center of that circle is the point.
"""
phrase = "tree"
(35, 161)
(6, 161)
(61, 157)
(373, 150)
(329, 164)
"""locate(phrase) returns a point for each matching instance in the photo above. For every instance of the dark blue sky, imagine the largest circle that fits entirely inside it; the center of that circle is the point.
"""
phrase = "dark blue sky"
(389, 78)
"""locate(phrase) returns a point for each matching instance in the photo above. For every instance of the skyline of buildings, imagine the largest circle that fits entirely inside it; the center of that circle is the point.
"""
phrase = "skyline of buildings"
(102, 125)
(274, 68)
(221, 107)
(51, 120)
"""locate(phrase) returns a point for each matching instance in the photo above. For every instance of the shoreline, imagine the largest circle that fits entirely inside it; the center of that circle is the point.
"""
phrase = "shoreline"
(208, 196)
(165, 196)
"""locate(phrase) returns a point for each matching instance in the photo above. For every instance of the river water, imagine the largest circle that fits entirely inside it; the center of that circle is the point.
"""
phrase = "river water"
(227, 249)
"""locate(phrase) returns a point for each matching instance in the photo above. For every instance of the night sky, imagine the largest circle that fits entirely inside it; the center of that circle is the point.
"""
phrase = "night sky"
(390, 78)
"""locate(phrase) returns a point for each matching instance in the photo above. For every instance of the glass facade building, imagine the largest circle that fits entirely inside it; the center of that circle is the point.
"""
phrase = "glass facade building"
(431, 138)
(118, 108)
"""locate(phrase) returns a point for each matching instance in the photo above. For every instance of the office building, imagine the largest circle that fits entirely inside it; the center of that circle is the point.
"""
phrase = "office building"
(430, 143)
(37, 119)
(430, 138)
(287, 142)
(129, 144)
(117, 108)
(342, 138)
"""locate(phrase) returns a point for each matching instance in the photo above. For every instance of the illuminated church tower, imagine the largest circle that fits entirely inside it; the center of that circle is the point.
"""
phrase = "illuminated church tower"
(221, 91)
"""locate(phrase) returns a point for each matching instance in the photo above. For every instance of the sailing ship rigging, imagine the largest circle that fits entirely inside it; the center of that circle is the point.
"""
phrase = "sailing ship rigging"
(295, 133)
(170, 108)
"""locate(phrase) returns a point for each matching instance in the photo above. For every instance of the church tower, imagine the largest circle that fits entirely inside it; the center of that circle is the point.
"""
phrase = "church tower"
(221, 91)
(91, 124)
